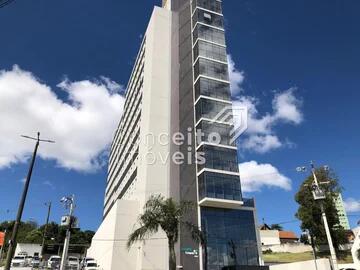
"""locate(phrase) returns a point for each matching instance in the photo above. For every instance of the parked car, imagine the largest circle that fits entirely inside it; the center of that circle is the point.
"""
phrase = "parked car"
(85, 260)
(28, 260)
(54, 262)
(35, 262)
(91, 265)
(73, 262)
(19, 261)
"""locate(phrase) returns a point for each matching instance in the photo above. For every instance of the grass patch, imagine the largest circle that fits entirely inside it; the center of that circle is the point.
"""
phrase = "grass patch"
(286, 257)
(306, 256)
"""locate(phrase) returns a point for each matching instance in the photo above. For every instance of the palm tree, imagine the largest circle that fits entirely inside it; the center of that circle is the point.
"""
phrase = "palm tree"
(167, 215)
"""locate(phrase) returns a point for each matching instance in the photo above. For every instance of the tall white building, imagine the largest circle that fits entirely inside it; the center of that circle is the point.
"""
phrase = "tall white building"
(178, 87)
(340, 208)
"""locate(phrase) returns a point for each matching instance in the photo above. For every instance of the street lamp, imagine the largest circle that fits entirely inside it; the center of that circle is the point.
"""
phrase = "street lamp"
(69, 203)
(319, 195)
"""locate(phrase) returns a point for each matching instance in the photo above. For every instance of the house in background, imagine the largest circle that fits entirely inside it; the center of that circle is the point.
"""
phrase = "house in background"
(281, 241)
(29, 249)
(288, 237)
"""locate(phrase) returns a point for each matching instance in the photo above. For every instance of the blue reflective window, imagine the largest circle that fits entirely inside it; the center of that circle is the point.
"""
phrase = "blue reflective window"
(209, 33)
(210, 50)
(210, 129)
(208, 18)
(211, 69)
(219, 186)
(219, 158)
(230, 238)
(212, 88)
(213, 5)
(214, 110)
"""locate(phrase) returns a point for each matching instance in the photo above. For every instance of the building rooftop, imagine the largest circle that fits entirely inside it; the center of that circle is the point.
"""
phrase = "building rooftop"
(287, 235)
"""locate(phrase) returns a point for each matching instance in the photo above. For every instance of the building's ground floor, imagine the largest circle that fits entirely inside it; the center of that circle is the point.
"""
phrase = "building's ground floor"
(231, 242)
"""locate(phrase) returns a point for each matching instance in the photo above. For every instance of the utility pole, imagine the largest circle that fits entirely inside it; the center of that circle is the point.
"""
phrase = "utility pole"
(45, 229)
(69, 203)
(319, 195)
(12, 242)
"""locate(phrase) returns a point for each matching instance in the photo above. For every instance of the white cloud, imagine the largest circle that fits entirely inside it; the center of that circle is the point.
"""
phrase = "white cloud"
(236, 77)
(255, 176)
(352, 205)
(49, 184)
(261, 143)
(286, 107)
(261, 136)
(113, 86)
(82, 126)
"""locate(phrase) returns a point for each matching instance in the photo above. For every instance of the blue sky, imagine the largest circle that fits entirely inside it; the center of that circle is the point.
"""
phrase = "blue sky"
(309, 47)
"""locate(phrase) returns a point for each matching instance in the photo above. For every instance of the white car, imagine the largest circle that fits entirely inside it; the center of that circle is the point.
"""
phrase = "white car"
(19, 261)
(91, 265)
(35, 262)
(85, 260)
(73, 262)
(54, 262)
(28, 260)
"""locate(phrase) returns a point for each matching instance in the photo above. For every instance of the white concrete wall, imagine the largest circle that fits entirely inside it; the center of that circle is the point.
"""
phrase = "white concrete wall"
(322, 264)
(355, 249)
(30, 249)
(108, 246)
(349, 266)
(290, 247)
(270, 237)
(154, 177)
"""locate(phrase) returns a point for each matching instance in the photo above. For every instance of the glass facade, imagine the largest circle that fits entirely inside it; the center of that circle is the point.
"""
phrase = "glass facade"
(209, 18)
(212, 88)
(209, 34)
(214, 133)
(230, 238)
(208, 108)
(210, 50)
(213, 5)
(212, 69)
(219, 158)
(219, 186)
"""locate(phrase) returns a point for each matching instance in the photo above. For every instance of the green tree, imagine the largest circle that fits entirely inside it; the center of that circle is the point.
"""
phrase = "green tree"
(24, 229)
(29, 233)
(81, 237)
(277, 227)
(34, 237)
(309, 212)
(165, 214)
(304, 239)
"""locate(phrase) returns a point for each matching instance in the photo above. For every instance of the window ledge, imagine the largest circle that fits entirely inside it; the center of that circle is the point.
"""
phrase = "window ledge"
(221, 203)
